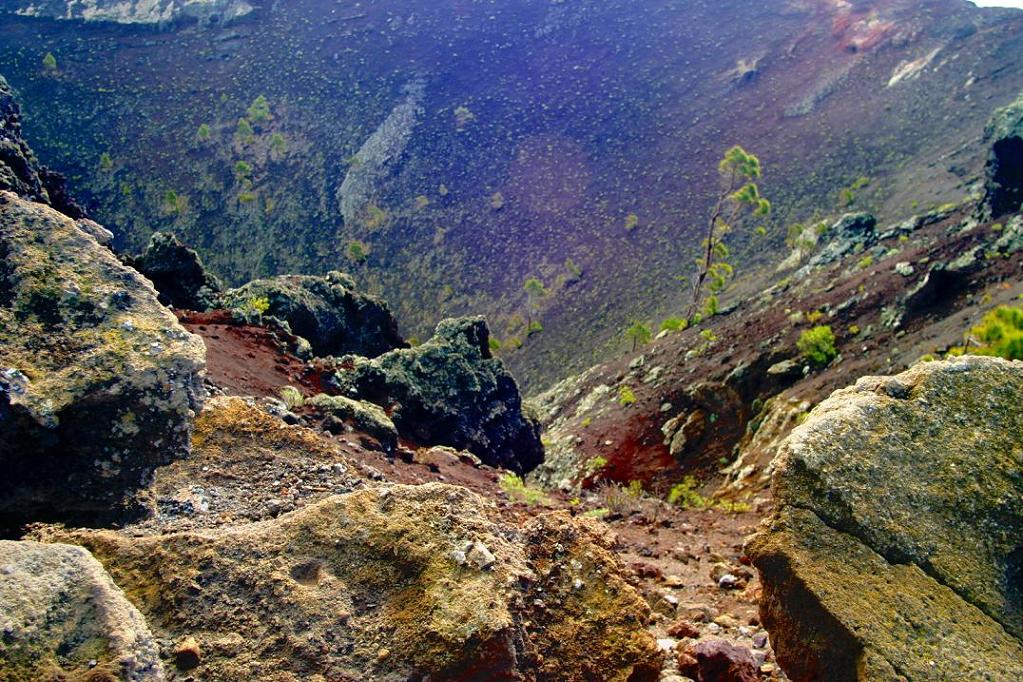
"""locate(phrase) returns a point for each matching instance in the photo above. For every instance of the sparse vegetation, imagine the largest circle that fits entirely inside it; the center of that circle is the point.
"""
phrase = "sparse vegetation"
(516, 488)
(674, 324)
(817, 345)
(357, 251)
(259, 110)
(1000, 333)
(49, 62)
(626, 396)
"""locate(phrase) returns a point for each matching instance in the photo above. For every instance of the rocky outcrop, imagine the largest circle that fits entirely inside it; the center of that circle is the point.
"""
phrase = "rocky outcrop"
(133, 11)
(177, 272)
(98, 381)
(391, 582)
(1003, 173)
(20, 172)
(62, 618)
(851, 232)
(451, 391)
(896, 550)
(326, 311)
(366, 417)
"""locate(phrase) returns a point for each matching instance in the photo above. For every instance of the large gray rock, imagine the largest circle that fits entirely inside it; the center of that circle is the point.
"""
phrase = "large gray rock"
(62, 618)
(1003, 173)
(451, 391)
(98, 381)
(897, 551)
(326, 311)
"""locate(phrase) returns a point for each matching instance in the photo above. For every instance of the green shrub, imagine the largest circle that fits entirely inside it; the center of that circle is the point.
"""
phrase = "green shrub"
(817, 345)
(685, 495)
(1000, 333)
(515, 487)
(626, 396)
(674, 324)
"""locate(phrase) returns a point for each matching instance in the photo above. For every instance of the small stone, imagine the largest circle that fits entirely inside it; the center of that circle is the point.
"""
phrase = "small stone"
(760, 640)
(187, 654)
(683, 628)
(480, 555)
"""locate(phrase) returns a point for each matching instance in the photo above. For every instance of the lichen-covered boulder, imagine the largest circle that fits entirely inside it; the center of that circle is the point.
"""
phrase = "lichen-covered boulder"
(1003, 173)
(63, 618)
(98, 381)
(389, 582)
(896, 550)
(327, 311)
(451, 391)
(177, 272)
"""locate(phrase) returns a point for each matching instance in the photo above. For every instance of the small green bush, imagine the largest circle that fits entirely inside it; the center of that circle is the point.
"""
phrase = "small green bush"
(515, 487)
(685, 495)
(626, 396)
(674, 324)
(817, 345)
(1000, 333)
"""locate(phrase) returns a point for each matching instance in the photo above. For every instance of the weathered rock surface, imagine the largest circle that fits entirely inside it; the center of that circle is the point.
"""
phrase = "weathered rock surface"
(245, 465)
(177, 272)
(326, 311)
(850, 232)
(132, 11)
(451, 391)
(98, 381)
(896, 553)
(1003, 186)
(20, 171)
(62, 618)
(391, 582)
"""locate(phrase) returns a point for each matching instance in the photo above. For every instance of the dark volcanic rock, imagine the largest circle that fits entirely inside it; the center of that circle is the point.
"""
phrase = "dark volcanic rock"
(451, 391)
(895, 552)
(1003, 188)
(326, 311)
(177, 273)
(20, 172)
(98, 381)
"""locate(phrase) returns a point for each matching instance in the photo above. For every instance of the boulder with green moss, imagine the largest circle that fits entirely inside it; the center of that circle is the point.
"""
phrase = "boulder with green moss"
(451, 391)
(388, 583)
(98, 381)
(897, 551)
(329, 312)
(63, 618)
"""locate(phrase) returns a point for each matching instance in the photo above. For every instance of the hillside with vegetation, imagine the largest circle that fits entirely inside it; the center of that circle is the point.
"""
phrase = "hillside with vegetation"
(449, 154)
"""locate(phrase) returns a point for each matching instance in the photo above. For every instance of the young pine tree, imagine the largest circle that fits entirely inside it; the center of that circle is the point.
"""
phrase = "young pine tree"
(739, 195)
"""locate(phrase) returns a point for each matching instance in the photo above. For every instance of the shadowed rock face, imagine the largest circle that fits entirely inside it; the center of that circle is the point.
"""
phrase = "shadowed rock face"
(1004, 169)
(63, 618)
(177, 272)
(20, 172)
(326, 311)
(895, 550)
(98, 381)
(451, 391)
(389, 582)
